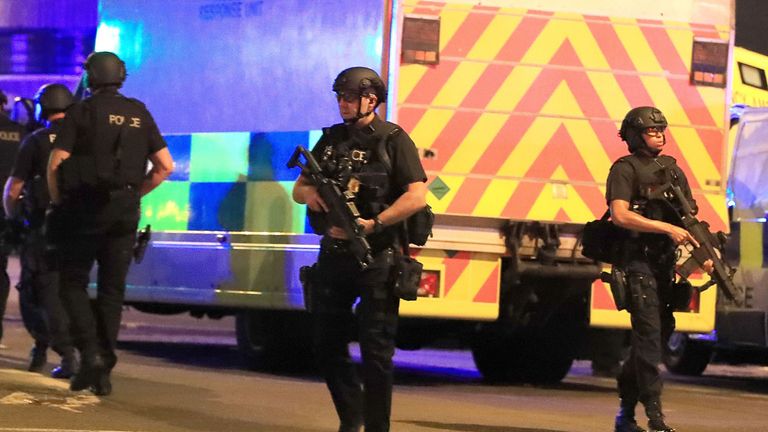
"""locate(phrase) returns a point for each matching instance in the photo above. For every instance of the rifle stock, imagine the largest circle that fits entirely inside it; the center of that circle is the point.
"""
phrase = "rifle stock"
(342, 210)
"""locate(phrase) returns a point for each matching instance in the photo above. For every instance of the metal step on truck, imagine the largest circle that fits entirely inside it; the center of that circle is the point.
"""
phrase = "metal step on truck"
(515, 107)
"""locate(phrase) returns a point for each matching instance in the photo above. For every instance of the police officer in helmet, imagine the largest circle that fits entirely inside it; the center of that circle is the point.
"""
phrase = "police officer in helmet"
(352, 153)
(97, 174)
(647, 258)
(11, 134)
(26, 198)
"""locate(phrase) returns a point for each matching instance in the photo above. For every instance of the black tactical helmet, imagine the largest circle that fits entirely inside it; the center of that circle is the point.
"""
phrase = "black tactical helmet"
(50, 99)
(360, 81)
(104, 68)
(637, 120)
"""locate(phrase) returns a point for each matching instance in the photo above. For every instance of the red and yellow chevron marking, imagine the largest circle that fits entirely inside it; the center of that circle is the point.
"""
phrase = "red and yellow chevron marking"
(524, 108)
(603, 311)
(469, 285)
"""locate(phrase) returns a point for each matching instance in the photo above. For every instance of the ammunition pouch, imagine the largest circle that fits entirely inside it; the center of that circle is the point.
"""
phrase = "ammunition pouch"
(308, 278)
(419, 226)
(602, 241)
(406, 276)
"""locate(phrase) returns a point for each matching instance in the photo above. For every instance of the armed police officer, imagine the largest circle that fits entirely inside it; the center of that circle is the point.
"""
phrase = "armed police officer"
(97, 173)
(379, 163)
(647, 259)
(11, 134)
(26, 199)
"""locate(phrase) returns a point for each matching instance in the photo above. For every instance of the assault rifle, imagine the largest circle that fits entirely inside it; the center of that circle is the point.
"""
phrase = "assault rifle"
(710, 245)
(342, 211)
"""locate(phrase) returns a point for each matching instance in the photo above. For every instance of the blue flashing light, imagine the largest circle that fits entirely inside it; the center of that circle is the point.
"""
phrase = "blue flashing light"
(372, 44)
(108, 38)
(122, 38)
(708, 337)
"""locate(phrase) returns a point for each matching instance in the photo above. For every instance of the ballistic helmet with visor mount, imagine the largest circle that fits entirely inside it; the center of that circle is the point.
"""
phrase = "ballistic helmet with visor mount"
(636, 121)
(50, 99)
(360, 81)
(104, 68)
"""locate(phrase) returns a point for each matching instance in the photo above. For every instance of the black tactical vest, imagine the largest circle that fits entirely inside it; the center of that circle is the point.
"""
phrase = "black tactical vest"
(114, 150)
(353, 159)
(649, 178)
(35, 193)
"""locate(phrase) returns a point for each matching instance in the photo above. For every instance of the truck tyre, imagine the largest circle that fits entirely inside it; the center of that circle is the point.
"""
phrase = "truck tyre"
(275, 340)
(522, 357)
(686, 356)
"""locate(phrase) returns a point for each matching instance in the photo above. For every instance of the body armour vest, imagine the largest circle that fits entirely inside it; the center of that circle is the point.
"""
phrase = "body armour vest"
(352, 158)
(35, 193)
(114, 150)
(649, 178)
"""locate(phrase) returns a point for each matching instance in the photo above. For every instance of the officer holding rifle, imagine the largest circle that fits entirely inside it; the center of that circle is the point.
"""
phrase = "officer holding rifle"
(351, 153)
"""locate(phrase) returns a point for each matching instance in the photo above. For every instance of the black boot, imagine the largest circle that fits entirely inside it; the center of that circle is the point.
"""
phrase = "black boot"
(103, 385)
(625, 419)
(656, 417)
(67, 367)
(88, 373)
(38, 358)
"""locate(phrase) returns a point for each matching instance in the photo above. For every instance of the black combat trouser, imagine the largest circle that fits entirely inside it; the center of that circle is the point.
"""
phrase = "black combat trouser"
(339, 282)
(42, 312)
(652, 324)
(5, 289)
(105, 234)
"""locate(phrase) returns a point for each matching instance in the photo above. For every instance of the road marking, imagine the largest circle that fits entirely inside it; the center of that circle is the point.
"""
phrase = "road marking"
(13, 360)
(16, 429)
(27, 388)
(65, 402)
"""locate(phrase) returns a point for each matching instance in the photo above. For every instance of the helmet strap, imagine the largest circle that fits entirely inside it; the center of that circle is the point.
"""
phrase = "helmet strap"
(359, 115)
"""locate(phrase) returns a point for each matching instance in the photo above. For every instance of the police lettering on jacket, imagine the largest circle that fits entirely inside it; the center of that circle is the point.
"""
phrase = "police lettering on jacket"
(10, 136)
(115, 119)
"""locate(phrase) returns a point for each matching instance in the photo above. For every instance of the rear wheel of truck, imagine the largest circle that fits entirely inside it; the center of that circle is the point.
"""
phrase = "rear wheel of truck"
(536, 357)
(275, 340)
(686, 356)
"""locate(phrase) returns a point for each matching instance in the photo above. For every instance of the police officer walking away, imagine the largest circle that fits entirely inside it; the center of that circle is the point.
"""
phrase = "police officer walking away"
(11, 134)
(26, 198)
(648, 260)
(96, 176)
(351, 153)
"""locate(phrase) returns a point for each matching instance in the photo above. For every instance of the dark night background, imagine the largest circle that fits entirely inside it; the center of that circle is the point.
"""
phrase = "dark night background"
(752, 25)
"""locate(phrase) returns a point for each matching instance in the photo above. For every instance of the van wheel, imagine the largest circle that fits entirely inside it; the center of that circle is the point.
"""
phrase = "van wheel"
(275, 340)
(534, 357)
(686, 356)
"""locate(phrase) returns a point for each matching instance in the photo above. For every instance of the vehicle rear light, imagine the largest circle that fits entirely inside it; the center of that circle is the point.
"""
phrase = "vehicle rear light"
(695, 302)
(429, 286)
